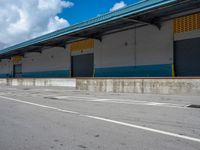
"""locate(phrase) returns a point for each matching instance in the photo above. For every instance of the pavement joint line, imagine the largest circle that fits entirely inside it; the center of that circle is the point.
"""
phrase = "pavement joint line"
(61, 97)
(106, 120)
(146, 104)
(118, 101)
(128, 101)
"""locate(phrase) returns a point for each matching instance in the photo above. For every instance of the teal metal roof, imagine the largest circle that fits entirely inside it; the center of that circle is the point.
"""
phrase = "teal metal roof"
(139, 7)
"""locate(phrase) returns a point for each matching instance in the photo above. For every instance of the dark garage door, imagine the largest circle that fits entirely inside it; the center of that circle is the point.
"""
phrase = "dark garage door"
(187, 57)
(82, 65)
(17, 70)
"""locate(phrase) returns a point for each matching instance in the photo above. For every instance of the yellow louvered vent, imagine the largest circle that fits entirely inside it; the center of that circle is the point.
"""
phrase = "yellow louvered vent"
(187, 23)
(16, 59)
(82, 45)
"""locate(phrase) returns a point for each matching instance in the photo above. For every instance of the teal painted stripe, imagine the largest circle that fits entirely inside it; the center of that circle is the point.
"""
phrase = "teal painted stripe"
(47, 74)
(4, 75)
(163, 70)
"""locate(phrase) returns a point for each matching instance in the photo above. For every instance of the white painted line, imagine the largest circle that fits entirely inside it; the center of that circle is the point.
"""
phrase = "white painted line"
(145, 128)
(39, 105)
(105, 120)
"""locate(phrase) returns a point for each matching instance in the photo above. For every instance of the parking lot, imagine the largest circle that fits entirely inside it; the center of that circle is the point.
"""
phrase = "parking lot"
(45, 118)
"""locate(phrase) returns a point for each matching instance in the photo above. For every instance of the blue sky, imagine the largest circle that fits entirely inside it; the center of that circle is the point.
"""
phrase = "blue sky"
(86, 9)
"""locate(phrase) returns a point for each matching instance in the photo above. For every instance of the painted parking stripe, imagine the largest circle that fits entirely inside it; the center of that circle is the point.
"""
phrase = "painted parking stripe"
(106, 120)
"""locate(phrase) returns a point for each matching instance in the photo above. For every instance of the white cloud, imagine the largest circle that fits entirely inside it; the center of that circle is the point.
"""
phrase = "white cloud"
(56, 23)
(22, 20)
(118, 5)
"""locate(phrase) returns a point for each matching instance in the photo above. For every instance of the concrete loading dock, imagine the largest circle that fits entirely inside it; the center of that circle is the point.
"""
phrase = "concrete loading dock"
(154, 38)
(168, 86)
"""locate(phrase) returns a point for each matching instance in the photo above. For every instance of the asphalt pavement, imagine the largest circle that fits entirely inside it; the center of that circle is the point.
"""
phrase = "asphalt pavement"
(48, 118)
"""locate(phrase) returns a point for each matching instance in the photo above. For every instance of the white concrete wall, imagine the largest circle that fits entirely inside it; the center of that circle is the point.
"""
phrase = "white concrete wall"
(53, 59)
(142, 46)
(5, 66)
(49, 60)
(154, 46)
(113, 51)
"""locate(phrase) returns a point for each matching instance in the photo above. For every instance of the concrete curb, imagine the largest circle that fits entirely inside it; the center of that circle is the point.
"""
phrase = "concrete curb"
(39, 82)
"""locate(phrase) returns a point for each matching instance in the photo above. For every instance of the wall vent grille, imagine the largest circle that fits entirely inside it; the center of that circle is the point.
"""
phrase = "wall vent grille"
(82, 45)
(187, 23)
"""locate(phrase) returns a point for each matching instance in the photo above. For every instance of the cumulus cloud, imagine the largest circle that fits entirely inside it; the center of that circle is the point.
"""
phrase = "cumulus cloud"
(118, 5)
(22, 20)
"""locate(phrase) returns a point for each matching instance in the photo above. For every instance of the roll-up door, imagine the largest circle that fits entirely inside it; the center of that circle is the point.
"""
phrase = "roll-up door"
(187, 57)
(82, 65)
(17, 70)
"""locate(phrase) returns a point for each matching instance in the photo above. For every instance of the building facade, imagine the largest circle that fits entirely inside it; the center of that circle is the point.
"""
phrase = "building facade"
(169, 49)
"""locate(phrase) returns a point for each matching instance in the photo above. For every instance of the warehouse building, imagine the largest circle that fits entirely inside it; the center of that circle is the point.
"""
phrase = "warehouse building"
(152, 38)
